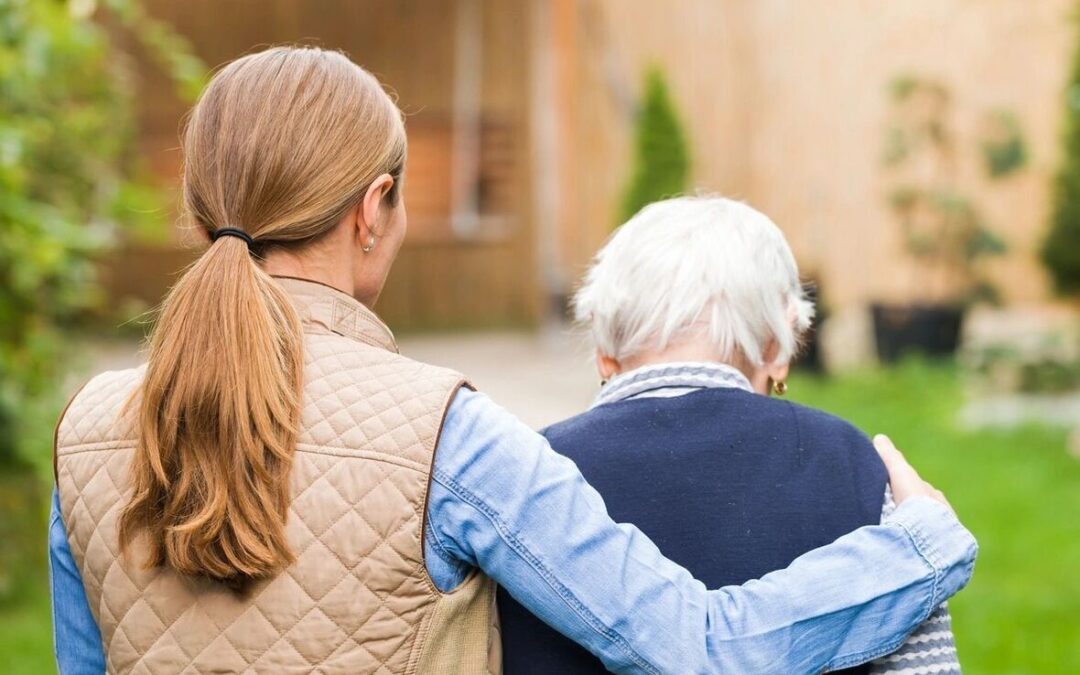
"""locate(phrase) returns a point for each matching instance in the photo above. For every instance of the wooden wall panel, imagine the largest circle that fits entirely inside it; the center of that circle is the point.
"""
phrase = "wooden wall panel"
(785, 104)
(440, 280)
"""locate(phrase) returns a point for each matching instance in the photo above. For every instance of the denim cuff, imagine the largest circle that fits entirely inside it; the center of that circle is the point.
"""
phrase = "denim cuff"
(941, 540)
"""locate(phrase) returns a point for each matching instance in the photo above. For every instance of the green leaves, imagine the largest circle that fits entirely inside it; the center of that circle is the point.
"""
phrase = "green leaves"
(70, 180)
(942, 224)
(942, 228)
(1004, 149)
(1061, 250)
(661, 159)
(168, 48)
(983, 242)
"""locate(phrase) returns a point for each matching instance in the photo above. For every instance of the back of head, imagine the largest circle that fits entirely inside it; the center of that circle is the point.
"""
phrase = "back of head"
(689, 267)
(281, 144)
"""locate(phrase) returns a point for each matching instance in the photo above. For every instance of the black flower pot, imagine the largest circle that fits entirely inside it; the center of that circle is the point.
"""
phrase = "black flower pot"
(931, 330)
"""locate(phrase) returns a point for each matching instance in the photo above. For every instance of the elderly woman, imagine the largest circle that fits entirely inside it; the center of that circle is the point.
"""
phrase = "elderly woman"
(696, 311)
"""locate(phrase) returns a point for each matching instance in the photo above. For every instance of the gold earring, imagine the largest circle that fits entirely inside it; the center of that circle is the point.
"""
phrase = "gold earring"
(370, 246)
(780, 387)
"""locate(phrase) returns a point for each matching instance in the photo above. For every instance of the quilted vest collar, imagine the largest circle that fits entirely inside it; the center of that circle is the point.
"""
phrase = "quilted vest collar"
(325, 309)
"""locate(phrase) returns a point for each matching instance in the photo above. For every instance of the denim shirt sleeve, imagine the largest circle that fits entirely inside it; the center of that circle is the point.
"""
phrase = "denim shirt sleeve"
(502, 500)
(76, 638)
(932, 647)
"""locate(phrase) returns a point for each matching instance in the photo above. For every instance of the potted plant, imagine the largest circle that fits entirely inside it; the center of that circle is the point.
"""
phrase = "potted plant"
(942, 231)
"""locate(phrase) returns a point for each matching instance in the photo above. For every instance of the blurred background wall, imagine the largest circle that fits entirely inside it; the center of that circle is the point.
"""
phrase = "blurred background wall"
(459, 76)
(786, 105)
(521, 114)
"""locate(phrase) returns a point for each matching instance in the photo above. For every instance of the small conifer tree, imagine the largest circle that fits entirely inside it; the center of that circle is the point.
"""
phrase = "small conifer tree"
(1061, 251)
(661, 159)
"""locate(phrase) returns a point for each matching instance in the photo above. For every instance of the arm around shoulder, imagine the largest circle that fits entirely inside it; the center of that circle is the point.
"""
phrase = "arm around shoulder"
(503, 501)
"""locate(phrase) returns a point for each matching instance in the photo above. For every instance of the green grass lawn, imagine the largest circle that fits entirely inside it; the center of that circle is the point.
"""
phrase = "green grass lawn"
(26, 634)
(1017, 490)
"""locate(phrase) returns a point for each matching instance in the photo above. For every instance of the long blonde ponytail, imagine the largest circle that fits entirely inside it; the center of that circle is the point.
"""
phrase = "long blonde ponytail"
(281, 145)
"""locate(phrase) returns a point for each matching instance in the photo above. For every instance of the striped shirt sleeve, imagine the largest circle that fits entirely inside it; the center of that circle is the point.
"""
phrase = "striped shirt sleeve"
(931, 649)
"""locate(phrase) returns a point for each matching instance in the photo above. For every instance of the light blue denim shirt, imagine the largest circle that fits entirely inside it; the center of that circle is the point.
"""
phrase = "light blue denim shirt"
(501, 500)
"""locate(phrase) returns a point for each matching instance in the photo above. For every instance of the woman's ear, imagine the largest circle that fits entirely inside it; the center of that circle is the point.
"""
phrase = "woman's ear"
(773, 372)
(369, 216)
(778, 372)
(607, 367)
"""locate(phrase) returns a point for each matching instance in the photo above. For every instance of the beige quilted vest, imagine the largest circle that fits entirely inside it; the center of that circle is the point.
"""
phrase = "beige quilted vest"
(358, 598)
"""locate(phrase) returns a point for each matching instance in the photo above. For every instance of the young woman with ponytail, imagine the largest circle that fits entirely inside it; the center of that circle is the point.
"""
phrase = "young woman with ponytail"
(278, 490)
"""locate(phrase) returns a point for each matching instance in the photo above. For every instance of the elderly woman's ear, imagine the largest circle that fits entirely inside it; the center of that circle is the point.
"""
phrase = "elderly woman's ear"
(777, 381)
(607, 367)
(771, 376)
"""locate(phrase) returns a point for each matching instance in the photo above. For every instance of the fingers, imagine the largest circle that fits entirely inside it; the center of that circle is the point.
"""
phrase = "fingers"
(895, 464)
(937, 494)
(886, 449)
(903, 478)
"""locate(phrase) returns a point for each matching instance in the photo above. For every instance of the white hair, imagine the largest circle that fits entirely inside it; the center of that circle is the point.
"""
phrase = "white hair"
(691, 267)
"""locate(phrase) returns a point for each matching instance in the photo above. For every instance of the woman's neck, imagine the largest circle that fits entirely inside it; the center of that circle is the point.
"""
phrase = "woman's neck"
(284, 263)
(684, 353)
(696, 352)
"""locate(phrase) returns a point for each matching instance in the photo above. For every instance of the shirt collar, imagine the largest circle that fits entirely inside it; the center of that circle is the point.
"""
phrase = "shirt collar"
(325, 309)
(671, 379)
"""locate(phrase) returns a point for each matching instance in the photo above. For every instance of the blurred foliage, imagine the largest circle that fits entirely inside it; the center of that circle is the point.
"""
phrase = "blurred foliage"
(171, 51)
(70, 178)
(1061, 251)
(1003, 147)
(22, 533)
(70, 185)
(1049, 376)
(1042, 364)
(923, 105)
(942, 228)
(661, 158)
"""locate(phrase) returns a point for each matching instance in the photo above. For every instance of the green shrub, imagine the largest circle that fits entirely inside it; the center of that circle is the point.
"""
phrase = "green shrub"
(70, 185)
(64, 122)
(661, 159)
(70, 182)
(1061, 251)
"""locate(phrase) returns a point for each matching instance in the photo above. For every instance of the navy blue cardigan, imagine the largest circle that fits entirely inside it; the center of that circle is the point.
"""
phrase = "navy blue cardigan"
(731, 485)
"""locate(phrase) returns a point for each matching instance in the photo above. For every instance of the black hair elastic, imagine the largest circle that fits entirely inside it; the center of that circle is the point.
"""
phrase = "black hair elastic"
(232, 232)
